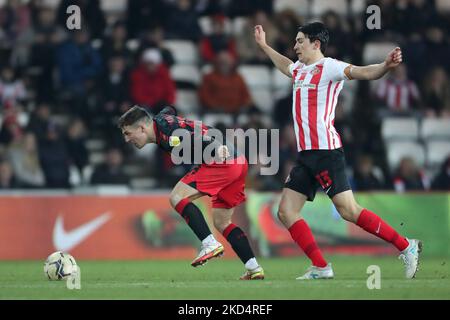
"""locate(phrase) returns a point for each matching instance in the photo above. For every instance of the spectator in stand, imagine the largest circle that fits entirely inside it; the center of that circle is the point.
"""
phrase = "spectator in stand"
(7, 179)
(47, 36)
(340, 43)
(116, 44)
(151, 84)
(14, 21)
(54, 158)
(12, 89)
(218, 41)
(79, 66)
(286, 22)
(11, 130)
(249, 7)
(437, 48)
(248, 49)
(78, 62)
(114, 89)
(182, 22)
(436, 93)
(153, 38)
(111, 171)
(224, 89)
(39, 121)
(441, 181)
(24, 157)
(409, 177)
(397, 92)
(76, 144)
(142, 14)
(366, 176)
(91, 13)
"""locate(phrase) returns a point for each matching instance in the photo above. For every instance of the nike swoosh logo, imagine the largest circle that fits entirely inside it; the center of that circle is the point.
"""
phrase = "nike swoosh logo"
(379, 226)
(66, 240)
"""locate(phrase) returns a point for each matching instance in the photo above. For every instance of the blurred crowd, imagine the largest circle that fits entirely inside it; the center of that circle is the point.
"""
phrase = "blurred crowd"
(61, 91)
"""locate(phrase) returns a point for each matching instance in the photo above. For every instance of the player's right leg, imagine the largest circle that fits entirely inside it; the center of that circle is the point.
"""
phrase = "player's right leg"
(291, 204)
(181, 199)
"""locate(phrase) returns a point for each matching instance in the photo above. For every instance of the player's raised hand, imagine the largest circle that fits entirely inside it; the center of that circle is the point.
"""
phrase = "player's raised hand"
(394, 58)
(260, 35)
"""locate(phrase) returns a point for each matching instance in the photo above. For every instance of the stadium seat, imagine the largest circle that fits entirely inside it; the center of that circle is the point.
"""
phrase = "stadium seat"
(183, 51)
(399, 129)
(96, 158)
(319, 7)
(400, 149)
(238, 25)
(133, 44)
(443, 6)
(263, 99)
(211, 119)
(437, 152)
(282, 84)
(95, 145)
(111, 6)
(143, 183)
(187, 101)
(298, 6)
(375, 52)
(184, 73)
(256, 77)
(435, 129)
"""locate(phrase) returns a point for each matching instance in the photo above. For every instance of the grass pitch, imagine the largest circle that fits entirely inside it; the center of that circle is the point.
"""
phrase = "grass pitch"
(176, 280)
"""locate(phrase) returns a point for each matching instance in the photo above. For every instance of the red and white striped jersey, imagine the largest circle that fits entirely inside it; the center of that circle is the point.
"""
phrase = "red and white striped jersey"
(315, 93)
(398, 95)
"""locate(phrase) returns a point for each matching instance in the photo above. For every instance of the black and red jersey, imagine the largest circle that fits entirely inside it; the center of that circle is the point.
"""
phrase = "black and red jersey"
(167, 121)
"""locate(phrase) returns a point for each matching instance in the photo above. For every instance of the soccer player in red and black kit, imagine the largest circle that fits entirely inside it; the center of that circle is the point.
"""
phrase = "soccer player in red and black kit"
(317, 81)
(222, 179)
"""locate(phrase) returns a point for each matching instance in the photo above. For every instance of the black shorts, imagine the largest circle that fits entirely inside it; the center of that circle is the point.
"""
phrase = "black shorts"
(319, 168)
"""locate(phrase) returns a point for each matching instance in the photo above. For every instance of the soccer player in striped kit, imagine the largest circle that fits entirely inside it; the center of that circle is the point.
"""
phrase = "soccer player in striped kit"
(317, 81)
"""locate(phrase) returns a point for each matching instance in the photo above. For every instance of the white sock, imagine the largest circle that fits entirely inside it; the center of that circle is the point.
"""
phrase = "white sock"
(209, 240)
(251, 264)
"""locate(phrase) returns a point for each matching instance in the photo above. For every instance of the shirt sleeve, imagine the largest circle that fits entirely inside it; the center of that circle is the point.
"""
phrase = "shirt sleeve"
(293, 66)
(336, 69)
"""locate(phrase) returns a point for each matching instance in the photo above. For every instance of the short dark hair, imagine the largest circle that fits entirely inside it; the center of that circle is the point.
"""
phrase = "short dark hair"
(132, 116)
(316, 31)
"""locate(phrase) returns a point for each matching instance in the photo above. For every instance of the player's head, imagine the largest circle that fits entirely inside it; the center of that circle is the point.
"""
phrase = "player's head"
(135, 125)
(311, 39)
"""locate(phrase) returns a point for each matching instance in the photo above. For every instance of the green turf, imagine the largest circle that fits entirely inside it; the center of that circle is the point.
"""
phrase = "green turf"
(217, 280)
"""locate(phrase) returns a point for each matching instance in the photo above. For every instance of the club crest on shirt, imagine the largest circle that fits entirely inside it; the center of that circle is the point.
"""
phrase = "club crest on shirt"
(316, 70)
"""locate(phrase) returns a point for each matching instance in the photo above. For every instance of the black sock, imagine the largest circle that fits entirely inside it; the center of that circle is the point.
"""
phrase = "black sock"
(239, 242)
(196, 221)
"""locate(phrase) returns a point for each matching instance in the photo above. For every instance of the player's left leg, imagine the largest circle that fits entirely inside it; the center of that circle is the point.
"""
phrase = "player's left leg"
(239, 242)
(351, 211)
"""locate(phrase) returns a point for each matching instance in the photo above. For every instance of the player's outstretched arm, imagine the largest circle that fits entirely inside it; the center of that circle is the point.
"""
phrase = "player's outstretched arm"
(280, 61)
(375, 71)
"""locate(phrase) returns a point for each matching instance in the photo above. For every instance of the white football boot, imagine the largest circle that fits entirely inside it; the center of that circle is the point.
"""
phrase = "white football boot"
(410, 257)
(208, 252)
(314, 272)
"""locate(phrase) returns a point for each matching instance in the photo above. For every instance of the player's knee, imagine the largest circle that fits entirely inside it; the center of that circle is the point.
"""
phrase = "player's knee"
(283, 215)
(349, 212)
(174, 198)
(221, 224)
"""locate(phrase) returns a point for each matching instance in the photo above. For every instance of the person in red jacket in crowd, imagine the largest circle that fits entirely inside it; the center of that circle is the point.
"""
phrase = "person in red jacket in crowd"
(218, 41)
(151, 84)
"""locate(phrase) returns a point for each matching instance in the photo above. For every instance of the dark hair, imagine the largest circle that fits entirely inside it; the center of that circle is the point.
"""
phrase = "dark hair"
(316, 31)
(132, 116)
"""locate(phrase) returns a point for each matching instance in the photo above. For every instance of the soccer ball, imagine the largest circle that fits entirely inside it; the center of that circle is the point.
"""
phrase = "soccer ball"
(59, 266)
